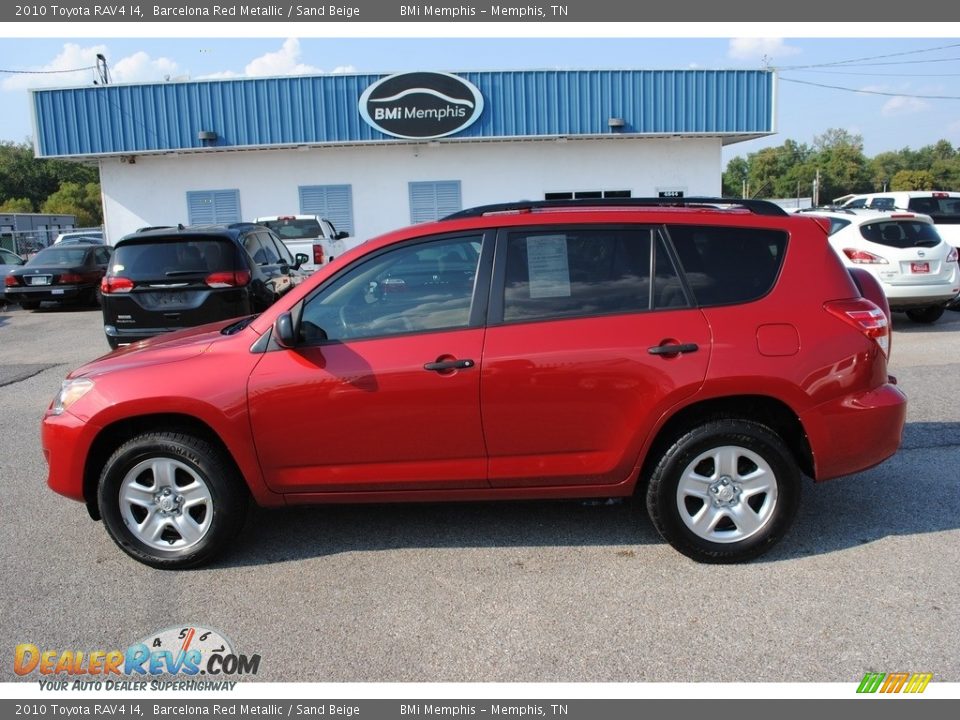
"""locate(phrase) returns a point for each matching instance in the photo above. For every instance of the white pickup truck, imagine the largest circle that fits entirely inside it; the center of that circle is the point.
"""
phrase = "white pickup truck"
(312, 235)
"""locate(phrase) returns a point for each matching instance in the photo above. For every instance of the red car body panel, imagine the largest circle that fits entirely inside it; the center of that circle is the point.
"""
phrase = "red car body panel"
(563, 408)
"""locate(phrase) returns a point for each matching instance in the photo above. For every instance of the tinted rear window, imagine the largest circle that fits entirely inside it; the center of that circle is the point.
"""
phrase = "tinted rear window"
(292, 229)
(901, 234)
(172, 258)
(66, 257)
(726, 265)
(939, 207)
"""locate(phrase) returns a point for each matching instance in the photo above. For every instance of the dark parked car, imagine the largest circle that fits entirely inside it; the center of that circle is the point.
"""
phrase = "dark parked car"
(167, 279)
(8, 262)
(68, 274)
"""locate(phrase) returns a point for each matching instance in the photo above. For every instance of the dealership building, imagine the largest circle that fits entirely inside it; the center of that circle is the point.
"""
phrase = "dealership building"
(376, 152)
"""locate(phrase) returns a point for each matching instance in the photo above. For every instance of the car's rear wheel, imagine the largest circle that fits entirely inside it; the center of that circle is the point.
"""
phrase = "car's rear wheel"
(926, 314)
(726, 491)
(171, 500)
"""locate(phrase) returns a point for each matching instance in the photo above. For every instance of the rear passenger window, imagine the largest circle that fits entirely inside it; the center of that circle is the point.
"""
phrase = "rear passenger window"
(571, 272)
(727, 265)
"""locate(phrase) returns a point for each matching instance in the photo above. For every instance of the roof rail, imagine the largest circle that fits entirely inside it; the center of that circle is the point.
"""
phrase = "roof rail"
(758, 207)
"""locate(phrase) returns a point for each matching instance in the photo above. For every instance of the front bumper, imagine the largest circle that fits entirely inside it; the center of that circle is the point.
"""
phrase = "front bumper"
(66, 442)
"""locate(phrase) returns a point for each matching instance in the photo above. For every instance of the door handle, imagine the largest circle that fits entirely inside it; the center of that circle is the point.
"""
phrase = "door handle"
(442, 365)
(675, 349)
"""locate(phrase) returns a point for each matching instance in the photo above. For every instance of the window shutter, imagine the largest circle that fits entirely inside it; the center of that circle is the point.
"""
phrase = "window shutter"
(207, 207)
(333, 202)
(434, 200)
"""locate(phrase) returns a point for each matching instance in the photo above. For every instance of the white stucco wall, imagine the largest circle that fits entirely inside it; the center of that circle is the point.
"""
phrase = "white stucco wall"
(152, 190)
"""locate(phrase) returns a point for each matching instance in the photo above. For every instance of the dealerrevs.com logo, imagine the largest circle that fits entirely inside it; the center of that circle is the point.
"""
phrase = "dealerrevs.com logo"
(421, 105)
(186, 653)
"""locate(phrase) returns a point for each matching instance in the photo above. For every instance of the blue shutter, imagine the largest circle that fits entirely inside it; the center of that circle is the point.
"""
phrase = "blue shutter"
(333, 202)
(434, 200)
(207, 207)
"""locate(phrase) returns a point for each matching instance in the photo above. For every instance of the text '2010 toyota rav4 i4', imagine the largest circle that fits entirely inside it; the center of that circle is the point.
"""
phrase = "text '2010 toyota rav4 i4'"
(702, 354)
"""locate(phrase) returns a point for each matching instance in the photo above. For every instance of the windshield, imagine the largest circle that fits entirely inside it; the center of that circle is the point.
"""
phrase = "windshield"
(294, 229)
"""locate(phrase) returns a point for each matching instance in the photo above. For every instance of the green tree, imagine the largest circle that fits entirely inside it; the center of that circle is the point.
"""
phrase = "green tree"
(16, 205)
(913, 180)
(76, 199)
(24, 176)
(842, 164)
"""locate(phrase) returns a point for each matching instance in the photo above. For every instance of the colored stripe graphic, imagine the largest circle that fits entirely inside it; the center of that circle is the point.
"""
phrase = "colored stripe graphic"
(871, 682)
(894, 682)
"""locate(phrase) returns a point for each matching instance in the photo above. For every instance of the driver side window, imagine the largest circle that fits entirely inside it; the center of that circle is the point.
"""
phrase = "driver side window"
(420, 287)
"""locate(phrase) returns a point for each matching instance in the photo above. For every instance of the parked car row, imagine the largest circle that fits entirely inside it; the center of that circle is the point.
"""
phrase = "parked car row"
(916, 268)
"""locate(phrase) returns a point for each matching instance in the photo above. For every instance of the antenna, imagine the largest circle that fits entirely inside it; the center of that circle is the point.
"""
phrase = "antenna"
(102, 70)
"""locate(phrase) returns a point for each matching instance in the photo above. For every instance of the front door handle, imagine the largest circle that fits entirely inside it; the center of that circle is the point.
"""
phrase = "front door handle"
(444, 365)
(673, 349)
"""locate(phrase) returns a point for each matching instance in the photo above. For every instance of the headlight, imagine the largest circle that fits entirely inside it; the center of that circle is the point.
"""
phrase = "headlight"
(70, 392)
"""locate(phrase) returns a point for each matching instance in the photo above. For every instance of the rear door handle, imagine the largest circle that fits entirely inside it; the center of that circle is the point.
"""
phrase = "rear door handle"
(673, 349)
(442, 365)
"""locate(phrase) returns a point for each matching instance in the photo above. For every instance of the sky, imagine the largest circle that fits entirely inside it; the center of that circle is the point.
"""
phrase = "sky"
(895, 92)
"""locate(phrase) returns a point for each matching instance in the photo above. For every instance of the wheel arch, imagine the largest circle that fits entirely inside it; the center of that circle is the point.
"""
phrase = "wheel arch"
(116, 434)
(763, 409)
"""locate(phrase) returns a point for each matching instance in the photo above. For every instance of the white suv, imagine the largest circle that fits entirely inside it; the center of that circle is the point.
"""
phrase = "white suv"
(942, 206)
(916, 268)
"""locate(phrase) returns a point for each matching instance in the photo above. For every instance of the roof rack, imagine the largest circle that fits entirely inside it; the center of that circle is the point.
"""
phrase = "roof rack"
(758, 207)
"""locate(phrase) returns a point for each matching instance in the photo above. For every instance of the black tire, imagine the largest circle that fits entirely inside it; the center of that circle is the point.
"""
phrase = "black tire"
(165, 532)
(113, 342)
(743, 527)
(926, 314)
(29, 304)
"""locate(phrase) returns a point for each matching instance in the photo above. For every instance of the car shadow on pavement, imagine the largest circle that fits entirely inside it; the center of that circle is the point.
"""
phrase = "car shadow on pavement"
(949, 321)
(915, 492)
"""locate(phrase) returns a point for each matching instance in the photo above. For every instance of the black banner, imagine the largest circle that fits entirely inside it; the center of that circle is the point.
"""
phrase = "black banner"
(556, 11)
(419, 709)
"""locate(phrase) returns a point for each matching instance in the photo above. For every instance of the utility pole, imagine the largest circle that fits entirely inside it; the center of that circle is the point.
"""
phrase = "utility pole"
(816, 189)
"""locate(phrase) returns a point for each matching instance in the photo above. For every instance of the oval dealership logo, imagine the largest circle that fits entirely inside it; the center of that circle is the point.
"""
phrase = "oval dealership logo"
(421, 105)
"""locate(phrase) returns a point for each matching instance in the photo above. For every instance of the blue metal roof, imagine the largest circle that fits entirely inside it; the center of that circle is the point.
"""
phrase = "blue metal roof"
(316, 110)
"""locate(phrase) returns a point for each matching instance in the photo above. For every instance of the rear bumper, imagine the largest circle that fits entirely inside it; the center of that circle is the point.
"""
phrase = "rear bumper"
(50, 292)
(856, 432)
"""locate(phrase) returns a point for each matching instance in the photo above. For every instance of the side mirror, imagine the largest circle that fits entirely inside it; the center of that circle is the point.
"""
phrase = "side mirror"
(301, 258)
(284, 331)
(342, 234)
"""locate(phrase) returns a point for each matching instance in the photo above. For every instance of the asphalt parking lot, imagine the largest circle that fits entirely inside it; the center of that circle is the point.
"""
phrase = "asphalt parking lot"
(541, 592)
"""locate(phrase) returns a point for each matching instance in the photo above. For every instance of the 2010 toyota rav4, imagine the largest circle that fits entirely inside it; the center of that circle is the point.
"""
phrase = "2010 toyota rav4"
(702, 356)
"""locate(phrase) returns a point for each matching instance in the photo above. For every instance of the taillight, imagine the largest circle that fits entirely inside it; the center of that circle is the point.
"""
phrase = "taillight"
(113, 285)
(318, 254)
(238, 278)
(68, 278)
(9, 281)
(862, 257)
(952, 257)
(866, 317)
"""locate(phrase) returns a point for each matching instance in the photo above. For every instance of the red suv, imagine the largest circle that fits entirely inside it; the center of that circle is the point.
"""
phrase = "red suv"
(701, 354)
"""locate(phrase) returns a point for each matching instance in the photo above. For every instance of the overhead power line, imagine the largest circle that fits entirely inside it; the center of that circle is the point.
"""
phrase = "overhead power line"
(873, 57)
(47, 72)
(873, 92)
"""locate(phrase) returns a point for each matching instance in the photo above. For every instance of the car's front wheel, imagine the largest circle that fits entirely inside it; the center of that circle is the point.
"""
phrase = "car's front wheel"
(928, 314)
(725, 491)
(171, 500)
